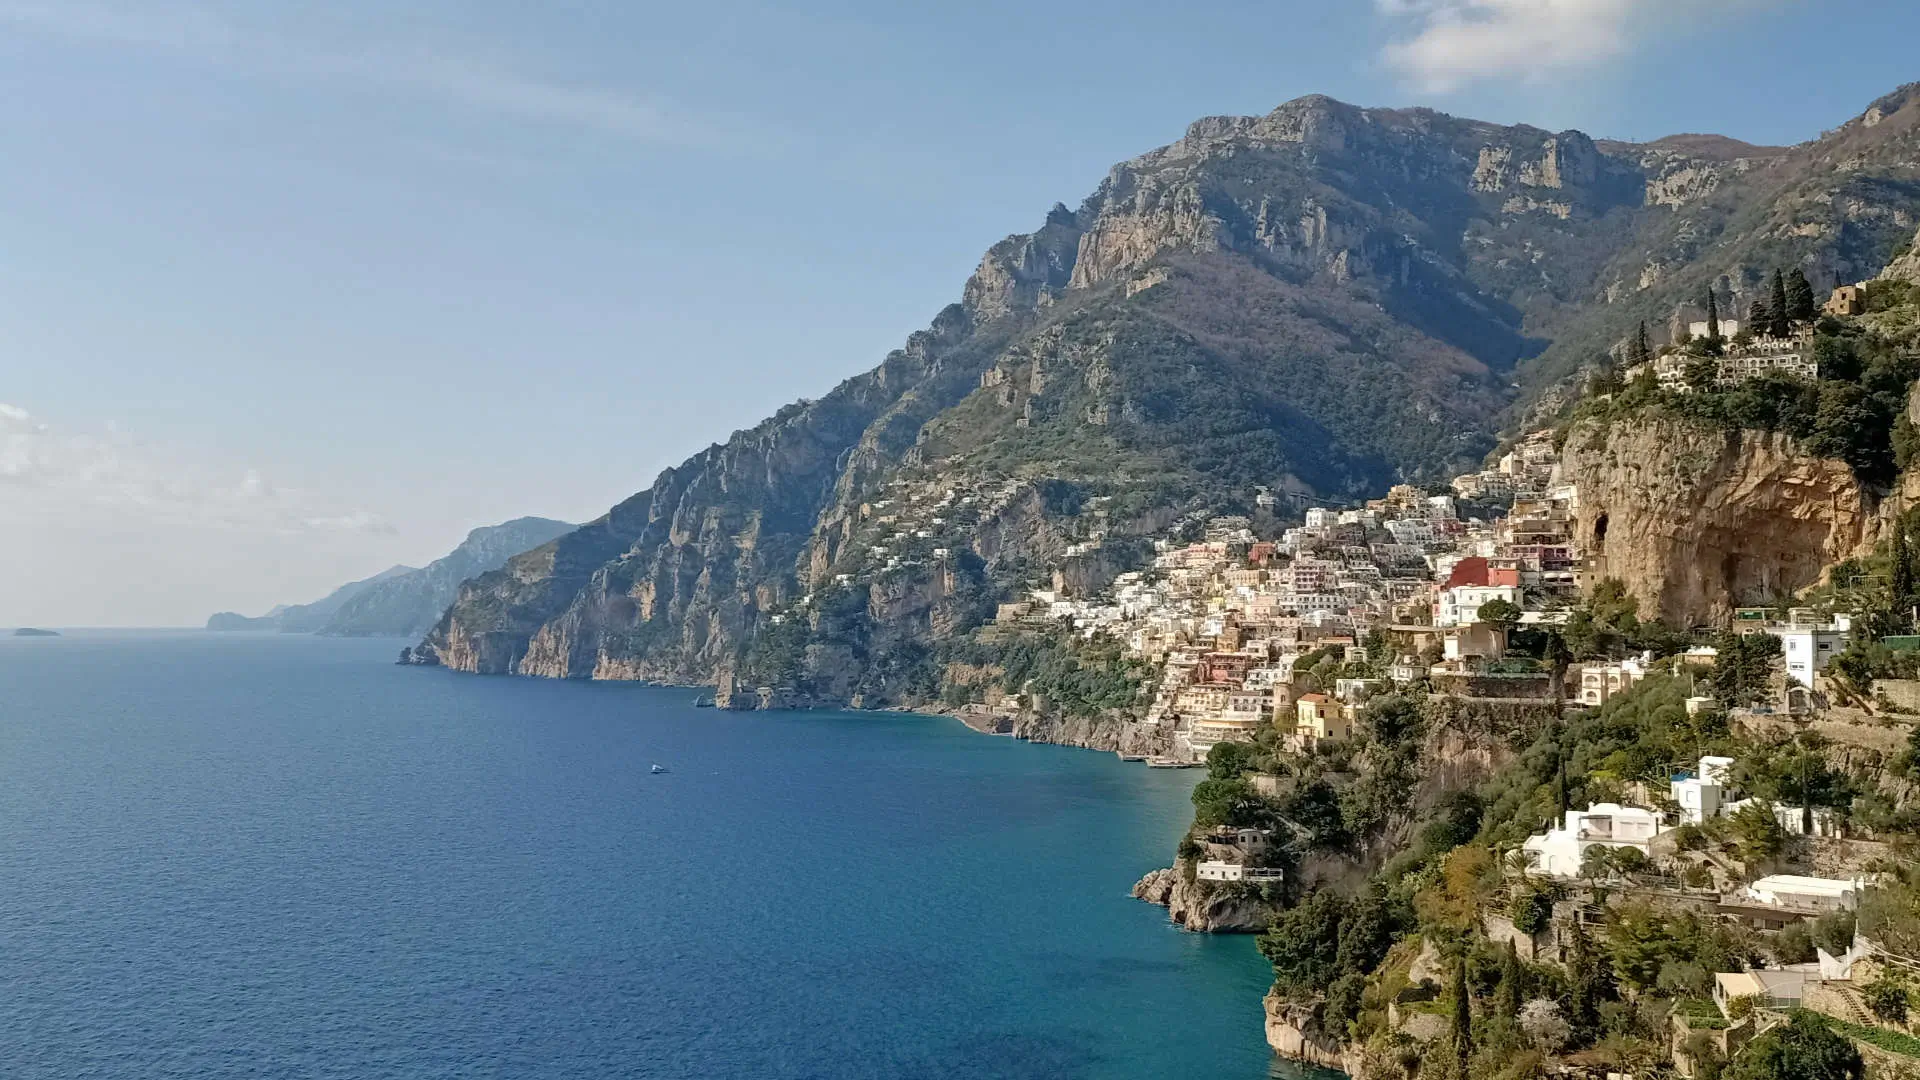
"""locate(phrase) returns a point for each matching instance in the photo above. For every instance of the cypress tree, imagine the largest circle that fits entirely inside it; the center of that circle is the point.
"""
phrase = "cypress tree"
(1462, 1015)
(1902, 590)
(1777, 308)
(1507, 996)
(1757, 317)
(1642, 352)
(1713, 319)
(1583, 1002)
(1799, 297)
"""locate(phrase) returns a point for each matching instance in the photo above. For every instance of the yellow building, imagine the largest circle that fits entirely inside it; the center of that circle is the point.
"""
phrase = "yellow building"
(1315, 718)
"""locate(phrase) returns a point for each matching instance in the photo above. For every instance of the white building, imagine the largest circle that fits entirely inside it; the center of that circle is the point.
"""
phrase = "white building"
(1812, 893)
(1473, 639)
(1461, 604)
(1560, 851)
(1220, 870)
(1808, 641)
(1239, 715)
(1808, 651)
(1355, 691)
(1792, 818)
(1264, 677)
(1703, 795)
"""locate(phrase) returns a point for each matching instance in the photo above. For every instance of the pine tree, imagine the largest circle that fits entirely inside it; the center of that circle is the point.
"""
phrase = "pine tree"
(1462, 1015)
(1777, 307)
(1799, 297)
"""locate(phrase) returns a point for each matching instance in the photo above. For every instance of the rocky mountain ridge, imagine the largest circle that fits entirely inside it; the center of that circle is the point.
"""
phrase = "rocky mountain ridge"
(302, 618)
(1323, 300)
(407, 605)
(402, 601)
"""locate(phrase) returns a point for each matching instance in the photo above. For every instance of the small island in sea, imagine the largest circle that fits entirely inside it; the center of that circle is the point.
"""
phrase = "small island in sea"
(34, 631)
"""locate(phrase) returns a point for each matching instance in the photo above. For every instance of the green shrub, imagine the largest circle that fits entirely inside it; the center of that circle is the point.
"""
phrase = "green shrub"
(1887, 998)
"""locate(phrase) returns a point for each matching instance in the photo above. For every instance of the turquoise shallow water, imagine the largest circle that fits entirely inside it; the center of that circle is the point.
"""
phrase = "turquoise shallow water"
(285, 857)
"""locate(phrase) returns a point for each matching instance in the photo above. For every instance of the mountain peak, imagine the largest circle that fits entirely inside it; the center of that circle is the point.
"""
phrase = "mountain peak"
(1323, 299)
(530, 523)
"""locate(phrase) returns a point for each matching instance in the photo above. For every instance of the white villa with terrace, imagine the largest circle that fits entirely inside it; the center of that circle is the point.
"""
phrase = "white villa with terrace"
(1220, 870)
(1560, 851)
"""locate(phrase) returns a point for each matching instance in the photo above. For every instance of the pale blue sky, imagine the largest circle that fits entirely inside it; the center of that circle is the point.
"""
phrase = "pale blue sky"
(290, 292)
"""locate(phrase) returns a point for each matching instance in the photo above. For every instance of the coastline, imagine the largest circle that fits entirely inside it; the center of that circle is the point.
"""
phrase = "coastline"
(878, 827)
(1190, 907)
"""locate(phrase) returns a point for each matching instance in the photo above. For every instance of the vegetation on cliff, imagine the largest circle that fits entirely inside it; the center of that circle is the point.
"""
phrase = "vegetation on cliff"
(1433, 927)
(1324, 299)
(1854, 412)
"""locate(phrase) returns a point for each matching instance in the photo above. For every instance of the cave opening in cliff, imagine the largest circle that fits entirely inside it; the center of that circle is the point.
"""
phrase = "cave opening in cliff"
(1600, 531)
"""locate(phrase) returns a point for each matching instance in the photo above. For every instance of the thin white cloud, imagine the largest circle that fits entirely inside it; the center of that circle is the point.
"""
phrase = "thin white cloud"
(1451, 43)
(50, 475)
(464, 81)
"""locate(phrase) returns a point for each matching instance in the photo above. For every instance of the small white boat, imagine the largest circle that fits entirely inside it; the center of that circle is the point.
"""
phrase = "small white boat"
(659, 768)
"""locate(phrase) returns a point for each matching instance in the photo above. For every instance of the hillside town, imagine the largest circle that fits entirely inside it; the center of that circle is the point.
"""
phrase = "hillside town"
(1271, 654)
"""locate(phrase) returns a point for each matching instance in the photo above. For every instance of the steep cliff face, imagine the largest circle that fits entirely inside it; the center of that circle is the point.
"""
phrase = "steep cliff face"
(1294, 1032)
(1906, 267)
(1695, 520)
(668, 582)
(1324, 299)
(1205, 907)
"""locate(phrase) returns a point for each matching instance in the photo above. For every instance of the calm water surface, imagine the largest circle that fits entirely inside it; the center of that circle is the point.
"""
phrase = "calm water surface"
(271, 856)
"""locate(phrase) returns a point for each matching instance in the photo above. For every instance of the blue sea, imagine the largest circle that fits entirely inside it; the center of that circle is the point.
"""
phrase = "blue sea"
(286, 857)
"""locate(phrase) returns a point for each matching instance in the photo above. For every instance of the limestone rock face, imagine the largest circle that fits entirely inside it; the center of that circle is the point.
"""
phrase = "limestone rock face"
(1697, 520)
(1294, 1032)
(1326, 299)
(1906, 267)
(1204, 907)
(1110, 733)
(1021, 272)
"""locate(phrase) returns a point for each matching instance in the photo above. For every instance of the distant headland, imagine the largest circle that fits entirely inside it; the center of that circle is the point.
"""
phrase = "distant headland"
(34, 631)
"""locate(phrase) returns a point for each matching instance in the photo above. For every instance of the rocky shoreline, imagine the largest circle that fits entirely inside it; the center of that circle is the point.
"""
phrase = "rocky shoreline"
(1204, 907)
(1109, 733)
(1293, 1033)
(1196, 906)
